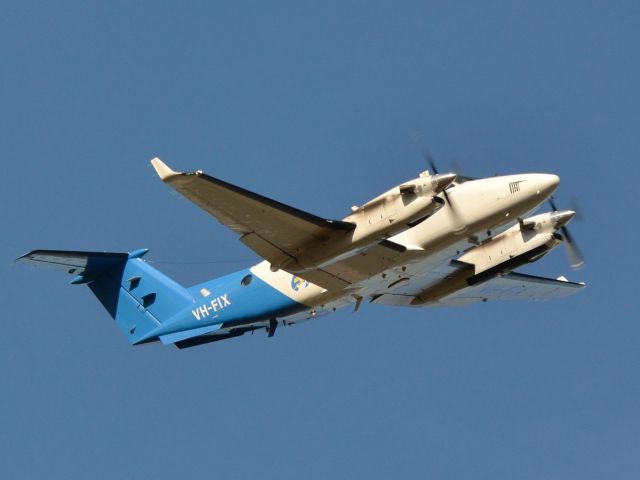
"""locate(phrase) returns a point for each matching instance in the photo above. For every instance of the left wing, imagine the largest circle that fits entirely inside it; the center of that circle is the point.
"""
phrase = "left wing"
(278, 232)
(275, 231)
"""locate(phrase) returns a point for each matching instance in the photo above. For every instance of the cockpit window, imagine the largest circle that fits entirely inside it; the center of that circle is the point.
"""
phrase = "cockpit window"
(462, 179)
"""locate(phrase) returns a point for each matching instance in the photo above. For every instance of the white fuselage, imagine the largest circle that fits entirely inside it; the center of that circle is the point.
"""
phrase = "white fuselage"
(482, 208)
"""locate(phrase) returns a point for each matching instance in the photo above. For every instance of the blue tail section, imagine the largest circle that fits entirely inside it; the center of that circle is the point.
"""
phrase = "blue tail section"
(138, 297)
(147, 305)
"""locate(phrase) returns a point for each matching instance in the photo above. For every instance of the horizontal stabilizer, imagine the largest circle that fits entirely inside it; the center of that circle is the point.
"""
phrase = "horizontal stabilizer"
(77, 263)
(186, 334)
(204, 339)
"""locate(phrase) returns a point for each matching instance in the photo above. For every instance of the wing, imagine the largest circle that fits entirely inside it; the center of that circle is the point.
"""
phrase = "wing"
(273, 230)
(514, 286)
(366, 264)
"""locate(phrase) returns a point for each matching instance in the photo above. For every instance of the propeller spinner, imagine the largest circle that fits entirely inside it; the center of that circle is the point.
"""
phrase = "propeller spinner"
(460, 226)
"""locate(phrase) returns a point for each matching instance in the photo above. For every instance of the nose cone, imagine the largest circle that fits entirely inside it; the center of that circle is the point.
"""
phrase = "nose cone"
(546, 183)
(560, 219)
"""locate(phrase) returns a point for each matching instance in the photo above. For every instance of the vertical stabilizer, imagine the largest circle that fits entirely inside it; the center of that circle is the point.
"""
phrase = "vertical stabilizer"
(136, 295)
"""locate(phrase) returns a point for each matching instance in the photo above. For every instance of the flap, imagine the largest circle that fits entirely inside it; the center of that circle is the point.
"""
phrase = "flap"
(368, 263)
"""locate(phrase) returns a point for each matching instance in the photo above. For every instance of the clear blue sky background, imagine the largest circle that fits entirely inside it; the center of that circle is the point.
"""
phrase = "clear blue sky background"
(320, 105)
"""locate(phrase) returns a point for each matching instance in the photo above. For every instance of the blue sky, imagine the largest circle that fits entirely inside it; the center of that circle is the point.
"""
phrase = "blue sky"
(320, 105)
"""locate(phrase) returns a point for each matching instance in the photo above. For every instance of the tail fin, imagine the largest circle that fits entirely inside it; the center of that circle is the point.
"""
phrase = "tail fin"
(136, 295)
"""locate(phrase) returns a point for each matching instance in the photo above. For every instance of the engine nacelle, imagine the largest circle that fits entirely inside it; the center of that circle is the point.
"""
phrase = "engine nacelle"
(509, 250)
(393, 212)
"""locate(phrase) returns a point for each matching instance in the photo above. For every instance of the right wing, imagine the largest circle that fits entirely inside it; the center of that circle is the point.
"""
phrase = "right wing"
(275, 231)
(512, 286)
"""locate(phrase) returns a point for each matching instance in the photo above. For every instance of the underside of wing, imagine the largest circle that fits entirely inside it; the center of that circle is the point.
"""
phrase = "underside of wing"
(513, 286)
(366, 264)
(277, 232)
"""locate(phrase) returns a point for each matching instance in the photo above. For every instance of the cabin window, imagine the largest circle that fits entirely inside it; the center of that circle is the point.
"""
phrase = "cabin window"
(246, 280)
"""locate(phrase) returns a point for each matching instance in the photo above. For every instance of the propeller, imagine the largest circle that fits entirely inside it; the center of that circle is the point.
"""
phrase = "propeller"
(459, 225)
(576, 259)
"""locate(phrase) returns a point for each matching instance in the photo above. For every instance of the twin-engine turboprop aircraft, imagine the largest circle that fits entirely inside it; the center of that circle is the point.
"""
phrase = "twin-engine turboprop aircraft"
(436, 240)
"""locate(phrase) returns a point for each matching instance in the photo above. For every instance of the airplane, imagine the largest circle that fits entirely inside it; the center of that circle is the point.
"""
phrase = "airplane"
(433, 241)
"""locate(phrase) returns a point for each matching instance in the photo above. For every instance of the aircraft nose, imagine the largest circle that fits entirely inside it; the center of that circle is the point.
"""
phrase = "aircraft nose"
(546, 183)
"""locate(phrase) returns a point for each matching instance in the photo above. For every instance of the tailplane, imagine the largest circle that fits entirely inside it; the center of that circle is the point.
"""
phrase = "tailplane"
(136, 295)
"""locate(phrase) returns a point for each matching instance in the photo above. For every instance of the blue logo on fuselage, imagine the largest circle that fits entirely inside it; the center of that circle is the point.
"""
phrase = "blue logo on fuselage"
(297, 283)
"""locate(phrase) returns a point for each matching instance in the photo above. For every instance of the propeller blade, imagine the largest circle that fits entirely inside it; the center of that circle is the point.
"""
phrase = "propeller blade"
(576, 259)
(432, 164)
(459, 225)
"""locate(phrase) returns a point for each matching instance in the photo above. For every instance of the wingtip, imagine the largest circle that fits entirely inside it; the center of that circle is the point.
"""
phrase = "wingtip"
(162, 169)
(24, 258)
